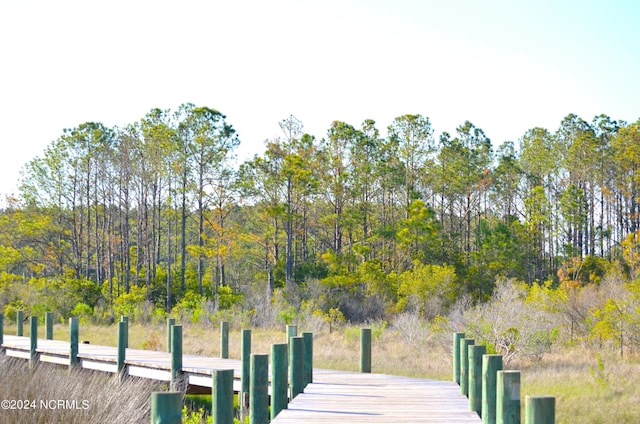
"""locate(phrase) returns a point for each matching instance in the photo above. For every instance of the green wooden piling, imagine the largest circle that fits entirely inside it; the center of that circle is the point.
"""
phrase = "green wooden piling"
(48, 325)
(508, 397)
(296, 365)
(176, 356)
(259, 389)
(73, 342)
(122, 346)
(125, 319)
(464, 365)
(1, 330)
(457, 337)
(475, 377)
(279, 380)
(365, 350)
(33, 340)
(170, 323)
(245, 358)
(166, 408)
(292, 331)
(224, 340)
(308, 357)
(19, 321)
(540, 410)
(491, 364)
(222, 397)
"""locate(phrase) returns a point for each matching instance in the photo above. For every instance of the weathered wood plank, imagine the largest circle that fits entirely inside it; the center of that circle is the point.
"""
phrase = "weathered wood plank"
(377, 398)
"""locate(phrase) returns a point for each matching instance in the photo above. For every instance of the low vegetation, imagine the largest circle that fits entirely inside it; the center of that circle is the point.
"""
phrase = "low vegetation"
(48, 394)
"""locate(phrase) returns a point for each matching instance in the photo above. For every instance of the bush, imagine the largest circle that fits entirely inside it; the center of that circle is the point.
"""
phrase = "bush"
(83, 312)
(509, 325)
(191, 307)
(130, 304)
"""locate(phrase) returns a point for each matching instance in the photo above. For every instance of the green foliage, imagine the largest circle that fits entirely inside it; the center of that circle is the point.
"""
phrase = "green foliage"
(130, 304)
(377, 329)
(227, 298)
(191, 306)
(10, 309)
(499, 254)
(426, 288)
(598, 372)
(418, 233)
(83, 312)
(287, 316)
(195, 417)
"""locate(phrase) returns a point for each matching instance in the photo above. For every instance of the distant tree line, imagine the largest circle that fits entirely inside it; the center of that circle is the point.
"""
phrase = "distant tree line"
(400, 221)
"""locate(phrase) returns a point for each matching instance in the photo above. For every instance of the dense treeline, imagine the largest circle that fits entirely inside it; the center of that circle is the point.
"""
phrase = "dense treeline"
(363, 224)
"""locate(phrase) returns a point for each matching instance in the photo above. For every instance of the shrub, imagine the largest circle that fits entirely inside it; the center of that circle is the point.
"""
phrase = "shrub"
(509, 325)
(83, 312)
(130, 304)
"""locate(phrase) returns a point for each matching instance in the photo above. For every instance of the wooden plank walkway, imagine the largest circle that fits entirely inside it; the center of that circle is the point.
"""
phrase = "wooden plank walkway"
(334, 396)
(151, 364)
(339, 396)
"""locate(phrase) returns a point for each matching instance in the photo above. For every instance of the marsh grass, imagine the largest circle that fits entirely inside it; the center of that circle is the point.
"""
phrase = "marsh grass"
(590, 387)
(48, 394)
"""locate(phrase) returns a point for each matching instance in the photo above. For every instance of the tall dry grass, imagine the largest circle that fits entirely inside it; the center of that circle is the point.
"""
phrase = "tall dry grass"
(49, 394)
(590, 386)
(392, 351)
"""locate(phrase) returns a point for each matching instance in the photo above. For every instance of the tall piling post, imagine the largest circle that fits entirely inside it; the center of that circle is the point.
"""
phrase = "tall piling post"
(245, 375)
(125, 319)
(491, 364)
(464, 365)
(292, 331)
(73, 342)
(48, 325)
(457, 337)
(540, 410)
(166, 407)
(224, 340)
(33, 340)
(365, 350)
(508, 397)
(176, 358)
(308, 357)
(296, 365)
(259, 389)
(279, 378)
(222, 397)
(475, 377)
(122, 348)
(19, 323)
(170, 323)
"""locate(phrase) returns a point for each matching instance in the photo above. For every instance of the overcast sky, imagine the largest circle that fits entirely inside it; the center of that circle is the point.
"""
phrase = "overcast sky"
(506, 66)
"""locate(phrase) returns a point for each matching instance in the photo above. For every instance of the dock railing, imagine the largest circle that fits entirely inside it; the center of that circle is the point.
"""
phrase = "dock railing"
(494, 393)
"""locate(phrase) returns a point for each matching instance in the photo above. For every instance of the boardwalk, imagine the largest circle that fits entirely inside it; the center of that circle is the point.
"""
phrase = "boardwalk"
(334, 396)
(338, 396)
(140, 363)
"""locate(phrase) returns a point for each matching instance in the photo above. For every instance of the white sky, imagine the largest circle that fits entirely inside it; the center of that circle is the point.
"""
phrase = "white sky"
(506, 66)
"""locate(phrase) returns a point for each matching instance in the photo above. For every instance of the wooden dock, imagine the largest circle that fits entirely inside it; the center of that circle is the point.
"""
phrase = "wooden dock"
(333, 396)
(150, 364)
(339, 396)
